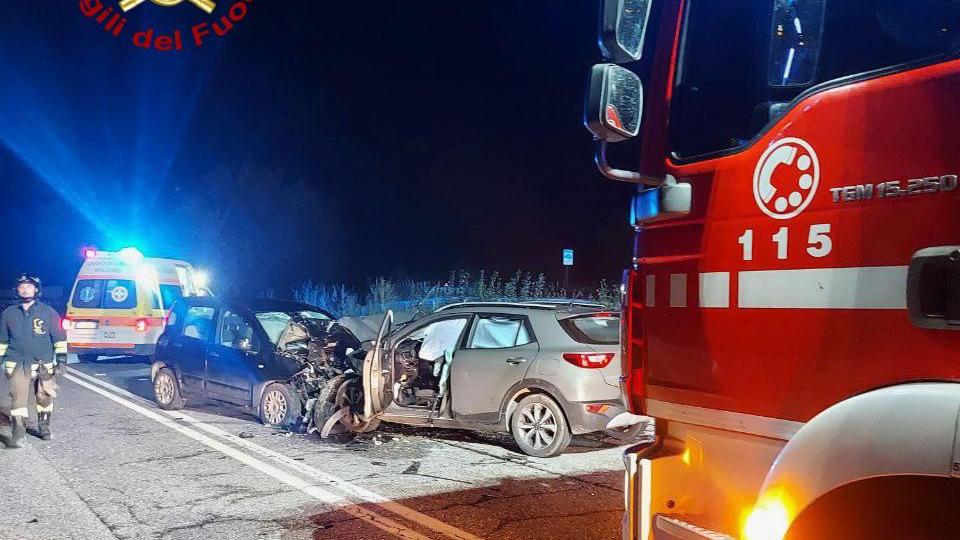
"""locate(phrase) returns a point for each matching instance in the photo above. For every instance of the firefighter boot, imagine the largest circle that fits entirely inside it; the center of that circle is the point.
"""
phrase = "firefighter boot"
(19, 429)
(43, 426)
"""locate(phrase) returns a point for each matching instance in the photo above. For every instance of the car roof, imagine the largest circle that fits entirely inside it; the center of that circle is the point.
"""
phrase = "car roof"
(253, 305)
(548, 305)
(273, 304)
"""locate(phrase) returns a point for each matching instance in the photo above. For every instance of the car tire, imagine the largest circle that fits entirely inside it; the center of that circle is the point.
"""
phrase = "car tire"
(341, 391)
(166, 390)
(280, 406)
(87, 358)
(539, 427)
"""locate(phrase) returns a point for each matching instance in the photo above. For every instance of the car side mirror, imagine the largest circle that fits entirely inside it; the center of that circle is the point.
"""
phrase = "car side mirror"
(623, 27)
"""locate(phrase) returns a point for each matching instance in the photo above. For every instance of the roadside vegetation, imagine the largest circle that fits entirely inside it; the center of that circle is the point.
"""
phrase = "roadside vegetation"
(384, 293)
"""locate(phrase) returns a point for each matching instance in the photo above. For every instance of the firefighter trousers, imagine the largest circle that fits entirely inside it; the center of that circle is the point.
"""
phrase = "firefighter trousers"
(23, 377)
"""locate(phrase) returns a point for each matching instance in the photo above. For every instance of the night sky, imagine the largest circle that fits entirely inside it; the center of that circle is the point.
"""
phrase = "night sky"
(316, 140)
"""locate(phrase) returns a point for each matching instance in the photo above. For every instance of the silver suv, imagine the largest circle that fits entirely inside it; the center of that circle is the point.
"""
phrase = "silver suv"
(541, 371)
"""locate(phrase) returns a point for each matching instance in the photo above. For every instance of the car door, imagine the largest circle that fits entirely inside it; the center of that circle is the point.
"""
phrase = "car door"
(190, 346)
(498, 351)
(377, 392)
(232, 358)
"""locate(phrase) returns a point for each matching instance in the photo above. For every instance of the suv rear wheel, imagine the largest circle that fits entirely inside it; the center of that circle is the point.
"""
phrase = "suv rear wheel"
(539, 427)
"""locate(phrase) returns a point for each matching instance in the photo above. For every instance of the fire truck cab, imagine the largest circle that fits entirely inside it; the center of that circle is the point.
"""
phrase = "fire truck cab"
(790, 317)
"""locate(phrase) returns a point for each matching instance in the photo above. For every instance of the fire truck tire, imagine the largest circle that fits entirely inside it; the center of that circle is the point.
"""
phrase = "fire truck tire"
(166, 390)
(914, 507)
(87, 358)
(539, 427)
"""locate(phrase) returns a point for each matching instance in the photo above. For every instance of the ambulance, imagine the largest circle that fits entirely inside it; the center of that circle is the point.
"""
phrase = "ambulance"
(119, 302)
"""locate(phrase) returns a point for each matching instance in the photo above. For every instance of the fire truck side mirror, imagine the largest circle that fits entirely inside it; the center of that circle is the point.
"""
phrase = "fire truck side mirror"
(623, 25)
(614, 103)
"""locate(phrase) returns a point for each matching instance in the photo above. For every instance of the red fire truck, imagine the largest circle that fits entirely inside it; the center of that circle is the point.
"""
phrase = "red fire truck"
(790, 315)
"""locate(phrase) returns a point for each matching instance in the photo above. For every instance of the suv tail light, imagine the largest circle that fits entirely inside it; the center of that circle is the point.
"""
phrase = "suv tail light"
(141, 325)
(589, 360)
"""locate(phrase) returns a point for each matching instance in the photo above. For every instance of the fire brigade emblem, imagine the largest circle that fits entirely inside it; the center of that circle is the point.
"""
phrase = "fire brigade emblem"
(206, 5)
(786, 178)
(38, 327)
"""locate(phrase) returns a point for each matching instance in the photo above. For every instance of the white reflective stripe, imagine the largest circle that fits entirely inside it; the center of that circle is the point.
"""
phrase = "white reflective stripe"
(60, 347)
(678, 290)
(715, 289)
(865, 287)
(764, 426)
(9, 366)
(651, 293)
(3, 349)
(22, 412)
(48, 408)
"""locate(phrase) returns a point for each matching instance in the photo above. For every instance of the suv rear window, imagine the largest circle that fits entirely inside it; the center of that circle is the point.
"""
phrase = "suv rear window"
(593, 329)
(105, 294)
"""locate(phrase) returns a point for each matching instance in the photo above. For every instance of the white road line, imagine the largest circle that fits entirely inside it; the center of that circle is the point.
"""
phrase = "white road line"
(330, 480)
(370, 517)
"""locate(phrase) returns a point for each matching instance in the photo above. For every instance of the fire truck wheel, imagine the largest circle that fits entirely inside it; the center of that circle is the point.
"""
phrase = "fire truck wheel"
(914, 507)
(166, 390)
(540, 427)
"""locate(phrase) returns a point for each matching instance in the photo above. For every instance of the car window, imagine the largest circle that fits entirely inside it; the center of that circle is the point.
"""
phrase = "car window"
(236, 332)
(314, 315)
(273, 323)
(593, 329)
(499, 332)
(437, 338)
(198, 322)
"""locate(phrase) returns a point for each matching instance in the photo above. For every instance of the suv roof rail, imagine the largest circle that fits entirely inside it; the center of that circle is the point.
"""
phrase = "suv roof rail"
(544, 304)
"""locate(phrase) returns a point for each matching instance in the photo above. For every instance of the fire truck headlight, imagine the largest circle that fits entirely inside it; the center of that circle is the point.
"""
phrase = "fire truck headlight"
(769, 519)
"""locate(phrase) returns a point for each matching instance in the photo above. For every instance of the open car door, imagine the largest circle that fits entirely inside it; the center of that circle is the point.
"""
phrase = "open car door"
(377, 376)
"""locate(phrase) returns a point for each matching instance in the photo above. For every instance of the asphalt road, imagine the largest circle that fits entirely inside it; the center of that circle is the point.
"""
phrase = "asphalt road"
(119, 467)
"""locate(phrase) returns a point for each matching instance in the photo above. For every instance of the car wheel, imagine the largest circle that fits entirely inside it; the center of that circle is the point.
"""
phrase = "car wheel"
(87, 358)
(342, 391)
(280, 406)
(166, 390)
(539, 427)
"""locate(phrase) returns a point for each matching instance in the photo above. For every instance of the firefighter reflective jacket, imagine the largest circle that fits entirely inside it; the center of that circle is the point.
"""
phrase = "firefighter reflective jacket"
(31, 336)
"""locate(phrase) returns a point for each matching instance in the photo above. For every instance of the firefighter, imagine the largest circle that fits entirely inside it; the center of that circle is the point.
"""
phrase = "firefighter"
(33, 348)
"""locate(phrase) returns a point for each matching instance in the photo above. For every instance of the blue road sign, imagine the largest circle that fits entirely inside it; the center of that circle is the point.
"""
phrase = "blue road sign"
(568, 257)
